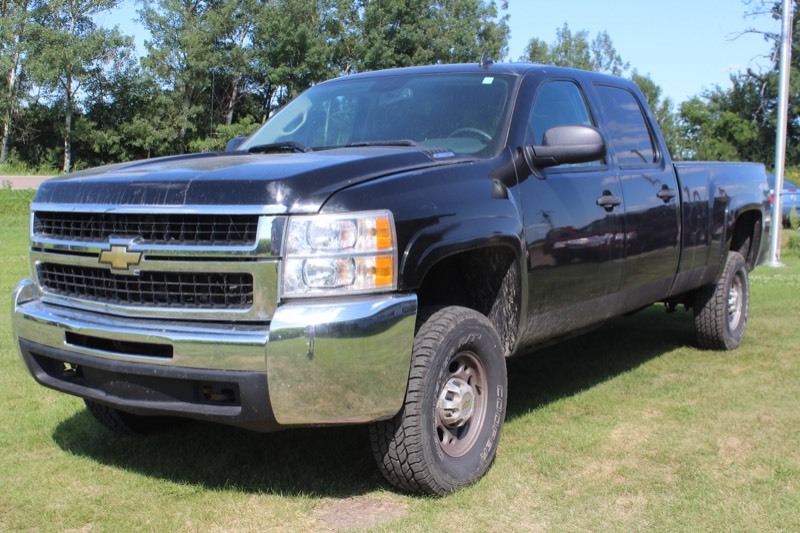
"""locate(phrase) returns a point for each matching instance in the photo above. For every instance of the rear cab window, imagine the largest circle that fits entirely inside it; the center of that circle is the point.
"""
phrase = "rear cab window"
(628, 131)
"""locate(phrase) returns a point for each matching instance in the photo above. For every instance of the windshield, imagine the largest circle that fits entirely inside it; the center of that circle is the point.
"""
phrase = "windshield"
(459, 112)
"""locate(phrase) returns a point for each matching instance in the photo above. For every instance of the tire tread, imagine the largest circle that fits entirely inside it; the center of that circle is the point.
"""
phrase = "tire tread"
(397, 442)
(711, 308)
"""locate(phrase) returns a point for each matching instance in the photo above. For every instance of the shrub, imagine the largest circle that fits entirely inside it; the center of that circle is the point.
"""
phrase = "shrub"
(793, 244)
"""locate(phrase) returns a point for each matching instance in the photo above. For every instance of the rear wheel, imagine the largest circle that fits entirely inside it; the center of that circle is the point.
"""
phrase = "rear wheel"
(447, 432)
(126, 423)
(720, 310)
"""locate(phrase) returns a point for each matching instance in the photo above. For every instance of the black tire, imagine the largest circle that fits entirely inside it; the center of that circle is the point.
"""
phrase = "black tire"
(720, 309)
(124, 423)
(447, 432)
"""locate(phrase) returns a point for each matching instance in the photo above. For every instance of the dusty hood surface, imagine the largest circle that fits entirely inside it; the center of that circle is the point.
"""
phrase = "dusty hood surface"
(292, 183)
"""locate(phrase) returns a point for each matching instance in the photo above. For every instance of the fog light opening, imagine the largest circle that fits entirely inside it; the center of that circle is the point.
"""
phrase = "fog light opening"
(217, 394)
(70, 370)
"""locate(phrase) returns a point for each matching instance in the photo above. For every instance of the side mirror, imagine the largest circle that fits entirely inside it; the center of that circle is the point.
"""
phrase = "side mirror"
(566, 144)
(234, 143)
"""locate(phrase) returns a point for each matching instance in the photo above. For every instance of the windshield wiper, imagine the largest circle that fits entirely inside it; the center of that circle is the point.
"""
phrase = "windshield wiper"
(285, 146)
(391, 142)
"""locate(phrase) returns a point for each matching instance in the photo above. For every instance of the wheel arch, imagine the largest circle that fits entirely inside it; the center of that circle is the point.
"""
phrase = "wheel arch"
(476, 264)
(744, 233)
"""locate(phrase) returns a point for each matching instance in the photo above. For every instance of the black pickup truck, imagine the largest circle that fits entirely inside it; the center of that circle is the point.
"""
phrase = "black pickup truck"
(374, 252)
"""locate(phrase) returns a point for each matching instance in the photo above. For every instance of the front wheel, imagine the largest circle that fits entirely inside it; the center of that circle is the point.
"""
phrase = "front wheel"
(447, 432)
(720, 310)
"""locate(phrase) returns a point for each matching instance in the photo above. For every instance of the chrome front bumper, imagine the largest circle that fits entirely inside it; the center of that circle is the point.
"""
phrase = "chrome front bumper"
(335, 361)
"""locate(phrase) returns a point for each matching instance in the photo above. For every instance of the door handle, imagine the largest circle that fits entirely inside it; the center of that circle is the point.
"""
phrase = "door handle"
(666, 194)
(608, 201)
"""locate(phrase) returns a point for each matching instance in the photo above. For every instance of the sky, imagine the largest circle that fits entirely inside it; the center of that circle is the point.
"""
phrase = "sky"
(686, 46)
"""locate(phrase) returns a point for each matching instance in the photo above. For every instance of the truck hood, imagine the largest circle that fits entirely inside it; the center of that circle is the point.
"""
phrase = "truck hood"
(273, 183)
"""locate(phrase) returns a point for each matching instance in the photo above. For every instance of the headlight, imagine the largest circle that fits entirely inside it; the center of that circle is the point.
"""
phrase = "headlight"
(339, 254)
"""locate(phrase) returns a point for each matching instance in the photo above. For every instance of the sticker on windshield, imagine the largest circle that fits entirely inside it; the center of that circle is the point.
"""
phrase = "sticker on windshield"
(488, 80)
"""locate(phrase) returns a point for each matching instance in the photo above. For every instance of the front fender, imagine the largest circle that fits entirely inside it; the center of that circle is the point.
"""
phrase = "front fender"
(450, 237)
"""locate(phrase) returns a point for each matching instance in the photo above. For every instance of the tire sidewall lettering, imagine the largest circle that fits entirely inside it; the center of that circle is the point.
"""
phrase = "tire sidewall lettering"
(497, 421)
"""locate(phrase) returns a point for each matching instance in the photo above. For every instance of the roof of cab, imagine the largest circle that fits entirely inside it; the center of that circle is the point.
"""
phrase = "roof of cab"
(514, 69)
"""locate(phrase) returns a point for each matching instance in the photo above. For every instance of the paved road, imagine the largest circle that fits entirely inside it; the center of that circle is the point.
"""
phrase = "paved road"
(23, 182)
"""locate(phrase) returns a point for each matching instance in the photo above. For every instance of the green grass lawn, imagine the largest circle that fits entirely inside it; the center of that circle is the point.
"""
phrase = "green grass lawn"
(626, 428)
(21, 169)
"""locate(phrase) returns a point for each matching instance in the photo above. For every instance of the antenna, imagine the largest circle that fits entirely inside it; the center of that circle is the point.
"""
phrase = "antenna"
(486, 61)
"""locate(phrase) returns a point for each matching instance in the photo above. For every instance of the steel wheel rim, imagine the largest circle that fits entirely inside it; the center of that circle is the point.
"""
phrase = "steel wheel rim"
(735, 302)
(461, 404)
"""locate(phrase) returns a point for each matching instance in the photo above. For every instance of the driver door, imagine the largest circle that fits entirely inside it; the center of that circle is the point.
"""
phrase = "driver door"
(575, 247)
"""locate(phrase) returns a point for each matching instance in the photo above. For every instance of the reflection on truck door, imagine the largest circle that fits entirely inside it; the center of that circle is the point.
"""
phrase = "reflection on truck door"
(574, 245)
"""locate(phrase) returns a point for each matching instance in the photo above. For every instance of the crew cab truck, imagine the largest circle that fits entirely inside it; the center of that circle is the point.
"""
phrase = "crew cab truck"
(374, 252)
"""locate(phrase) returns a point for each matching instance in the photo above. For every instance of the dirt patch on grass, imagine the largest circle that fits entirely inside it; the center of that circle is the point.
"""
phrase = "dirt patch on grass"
(360, 512)
(630, 505)
(5, 509)
(732, 450)
(631, 435)
(84, 529)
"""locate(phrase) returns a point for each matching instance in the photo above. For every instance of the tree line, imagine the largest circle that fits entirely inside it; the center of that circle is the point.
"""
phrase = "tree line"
(76, 95)
(733, 123)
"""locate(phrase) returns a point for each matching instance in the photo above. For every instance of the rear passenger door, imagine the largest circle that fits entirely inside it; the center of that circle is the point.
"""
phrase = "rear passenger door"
(650, 190)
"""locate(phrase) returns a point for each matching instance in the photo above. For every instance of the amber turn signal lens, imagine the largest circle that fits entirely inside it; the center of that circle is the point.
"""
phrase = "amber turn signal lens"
(384, 273)
(383, 235)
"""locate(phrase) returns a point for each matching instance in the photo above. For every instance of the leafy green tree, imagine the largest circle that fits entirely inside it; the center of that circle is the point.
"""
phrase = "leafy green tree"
(399, 33)
(38, 137)
(15, 23)
(236, 72)
(111, 103)
(575, 50)
(292, 47)
(180, 57)
(154, 130)
(731, 124)
(739, 122)
(302, 42)
(342, 26)
(224, 133)
(70, 52)
(663, 110)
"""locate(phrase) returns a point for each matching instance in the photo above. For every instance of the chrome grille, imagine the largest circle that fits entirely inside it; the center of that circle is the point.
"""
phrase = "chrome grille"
(150, 288)
(169, 229)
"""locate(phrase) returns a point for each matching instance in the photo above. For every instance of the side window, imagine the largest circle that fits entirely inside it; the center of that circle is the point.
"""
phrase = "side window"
(559, 103)
(627, 126)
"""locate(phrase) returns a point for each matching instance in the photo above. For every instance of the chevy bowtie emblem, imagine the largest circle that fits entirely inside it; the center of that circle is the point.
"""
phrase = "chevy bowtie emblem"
(120, 258)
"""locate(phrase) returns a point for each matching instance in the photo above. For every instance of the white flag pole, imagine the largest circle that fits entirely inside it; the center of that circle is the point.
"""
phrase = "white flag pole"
(780, 144)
